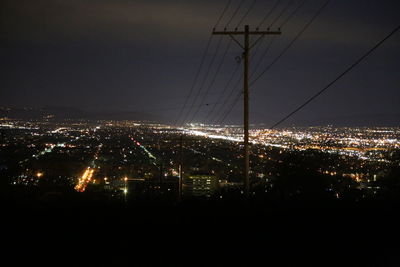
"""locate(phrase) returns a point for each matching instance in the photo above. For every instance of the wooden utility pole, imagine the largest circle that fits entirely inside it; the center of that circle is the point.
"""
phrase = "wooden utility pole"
(180, 168)
(246, 50)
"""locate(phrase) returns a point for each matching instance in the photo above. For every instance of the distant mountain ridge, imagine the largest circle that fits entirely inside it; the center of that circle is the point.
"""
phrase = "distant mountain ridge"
(63, 113)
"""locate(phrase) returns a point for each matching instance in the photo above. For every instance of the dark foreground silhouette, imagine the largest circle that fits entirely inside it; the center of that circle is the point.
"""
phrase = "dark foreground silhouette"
(80, 229)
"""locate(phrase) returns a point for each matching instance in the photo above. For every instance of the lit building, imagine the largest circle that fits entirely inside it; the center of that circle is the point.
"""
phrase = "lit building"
(200, 185)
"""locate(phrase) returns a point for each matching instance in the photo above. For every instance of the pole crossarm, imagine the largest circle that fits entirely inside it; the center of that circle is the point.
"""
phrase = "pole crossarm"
(260, 33)
(250, 32)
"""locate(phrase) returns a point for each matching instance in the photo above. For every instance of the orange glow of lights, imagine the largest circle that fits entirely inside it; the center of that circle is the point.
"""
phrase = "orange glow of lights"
(85, 179)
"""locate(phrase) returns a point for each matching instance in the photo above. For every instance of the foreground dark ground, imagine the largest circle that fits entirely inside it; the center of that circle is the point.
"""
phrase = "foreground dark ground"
(84, 231)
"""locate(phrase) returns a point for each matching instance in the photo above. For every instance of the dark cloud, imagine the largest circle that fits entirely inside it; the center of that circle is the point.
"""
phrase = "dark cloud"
(108, 21)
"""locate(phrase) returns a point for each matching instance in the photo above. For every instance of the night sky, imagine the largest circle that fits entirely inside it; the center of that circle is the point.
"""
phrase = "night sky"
(121, 55)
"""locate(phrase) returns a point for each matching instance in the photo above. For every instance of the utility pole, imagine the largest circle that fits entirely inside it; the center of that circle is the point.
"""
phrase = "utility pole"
(180, 168)
(246, 50)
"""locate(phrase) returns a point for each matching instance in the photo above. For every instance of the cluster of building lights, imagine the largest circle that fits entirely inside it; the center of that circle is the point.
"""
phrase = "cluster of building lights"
(346, 141)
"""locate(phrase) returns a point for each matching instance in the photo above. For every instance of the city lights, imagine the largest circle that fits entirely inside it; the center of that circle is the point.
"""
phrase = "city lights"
(140, 158)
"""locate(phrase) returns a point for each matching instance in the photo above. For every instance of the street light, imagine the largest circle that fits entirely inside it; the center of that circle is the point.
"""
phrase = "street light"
(126, 187)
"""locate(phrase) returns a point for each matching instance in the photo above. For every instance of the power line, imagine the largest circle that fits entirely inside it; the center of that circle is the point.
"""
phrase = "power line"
(235, 101)
(358, 61)
(229, 110)
(201, 63)
(219, 101)
(259, 62)
(218, 69)
(175, 107)
(218, 114)
(224, 115)
(283, 23)
(257, 47)
(223, 91)
(223, 13)
(195, 79)
(234, 14)
(204, 80)
(281, 13)
(246, 14)
(279, 56)
(292, 42)
(213, 80)
(292, 14)
(211, 63)
(269, 13)
(267, 49)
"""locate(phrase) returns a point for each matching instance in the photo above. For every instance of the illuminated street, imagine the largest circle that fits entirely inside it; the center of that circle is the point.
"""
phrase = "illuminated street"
(84, 180)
